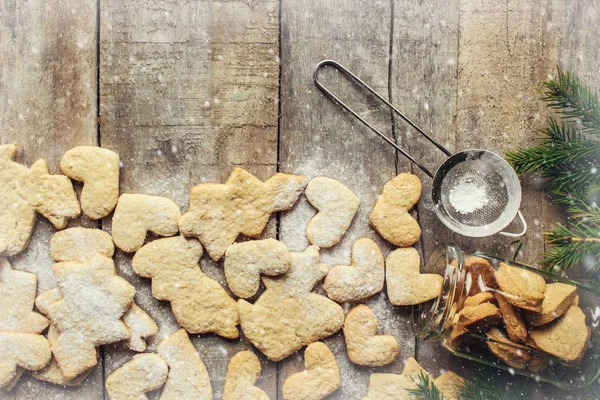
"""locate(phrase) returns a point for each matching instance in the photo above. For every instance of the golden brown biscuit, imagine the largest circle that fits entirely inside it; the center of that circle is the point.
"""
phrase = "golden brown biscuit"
(480, 275)
(479, 298)
(558, 297)
(520, 287)
(480, 318)
(511, 353)
(242, 373)
(515, 327)
(449, 385)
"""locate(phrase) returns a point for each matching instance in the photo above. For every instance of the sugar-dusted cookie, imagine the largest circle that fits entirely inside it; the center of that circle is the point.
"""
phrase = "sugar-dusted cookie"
(480, 298)
(21, 350)
(17, 296)
(218, 213)
(364, 346)
(362, 279)
(144, 373)
(80, 244)
(558, 297)
(319, 380)
(98, 169)
(89, 313)
(52, 372)
(138, 214)
(513, 354)
(479, 274)
(566, 338)
(287, 316)
(389, 387)
(449, 385)
(245, 261)
(141, 327)
(188, 378)
(337, 206)
(13, 382)
(515, 327)
(26, 192)
(480, 318)
(243, 372)
(412, 368)
(405, 285)
(199, 303)
(390, 217)
(521, 288)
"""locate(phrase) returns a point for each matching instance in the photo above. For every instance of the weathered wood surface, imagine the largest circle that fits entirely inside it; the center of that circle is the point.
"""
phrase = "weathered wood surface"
(189, 89)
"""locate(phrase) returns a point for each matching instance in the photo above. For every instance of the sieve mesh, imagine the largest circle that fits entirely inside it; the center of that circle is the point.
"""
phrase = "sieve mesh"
(485, 176)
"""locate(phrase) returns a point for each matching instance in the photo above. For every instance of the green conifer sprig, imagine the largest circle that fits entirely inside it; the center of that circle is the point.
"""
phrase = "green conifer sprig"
(426, 389)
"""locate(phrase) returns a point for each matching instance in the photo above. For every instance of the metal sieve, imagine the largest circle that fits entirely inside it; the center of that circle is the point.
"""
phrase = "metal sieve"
(486, 170)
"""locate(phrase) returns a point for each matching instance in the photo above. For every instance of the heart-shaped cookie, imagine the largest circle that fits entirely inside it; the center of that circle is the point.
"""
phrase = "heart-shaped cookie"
(390, 217)
(321, 378)
(337, 206)
(362, 279)
(566, 338)
(243, 372)
(144, 373)
(365, 347)
(405, 284)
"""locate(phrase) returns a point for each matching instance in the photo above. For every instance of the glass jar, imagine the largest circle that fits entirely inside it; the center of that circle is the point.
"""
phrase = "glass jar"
(489, 312)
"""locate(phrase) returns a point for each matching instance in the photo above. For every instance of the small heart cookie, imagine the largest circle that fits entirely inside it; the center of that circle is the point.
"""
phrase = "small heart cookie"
(245, 261)
(405, 285)
(144, 373)
(321, 378)
(522, 288)
(362, 279)
(558, 297)
(337, 206)
(242, 373)
(365, 347)
(390, 217)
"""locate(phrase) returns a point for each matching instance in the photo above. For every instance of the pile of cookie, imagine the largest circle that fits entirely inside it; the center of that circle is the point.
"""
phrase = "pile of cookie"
(524, 318)
(92, 306)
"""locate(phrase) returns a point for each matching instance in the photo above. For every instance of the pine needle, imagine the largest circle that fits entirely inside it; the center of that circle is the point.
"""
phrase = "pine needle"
(486, 384)
(426, 389)
(568, 247)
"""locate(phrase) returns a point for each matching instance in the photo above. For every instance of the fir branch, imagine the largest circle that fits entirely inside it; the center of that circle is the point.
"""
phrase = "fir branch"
(577, 245)
(485, 384)
(574, 100)
(426, 389)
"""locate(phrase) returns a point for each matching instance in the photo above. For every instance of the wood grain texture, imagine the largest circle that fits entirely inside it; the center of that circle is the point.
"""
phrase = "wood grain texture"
(47, 106)
(317, 138)
(189, 90)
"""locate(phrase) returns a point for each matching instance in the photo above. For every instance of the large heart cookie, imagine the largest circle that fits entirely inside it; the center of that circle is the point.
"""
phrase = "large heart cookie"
(520, 287)
(362, 279)
(365, 347)
(242, 373)
(390, 215)
(566, 338)
(321, 378)
(337, 206)
(405, 285)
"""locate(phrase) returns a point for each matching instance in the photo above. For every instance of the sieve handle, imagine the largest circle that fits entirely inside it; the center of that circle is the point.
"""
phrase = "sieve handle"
(523, 222)
(356, 79)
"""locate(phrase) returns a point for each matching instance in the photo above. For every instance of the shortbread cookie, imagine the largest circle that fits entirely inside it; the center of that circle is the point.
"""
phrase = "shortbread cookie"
(362, 279)
(558, 297)
(319, 380)
(141, 327)
(513, 354)
(26, 192)
(52, 372)
(456, 336)
(405, 285)
(479, 274)
(575, 301)
(13, 382)
(521, 288)
(218, 213)
(287, 316)
(98, 169)
(138, 214)
(188, 378)
(17, 296)
(390, 387)
(144, 373)
(364, 346)
(243, 372)
(21, 350)
(390, 217)
(480, 318)
(245, 261)
(449, 385)
(80, 244)
(89, 313)
(515, 327)
(566, 337)
(479, 298)
(199, 303)
(337, 206)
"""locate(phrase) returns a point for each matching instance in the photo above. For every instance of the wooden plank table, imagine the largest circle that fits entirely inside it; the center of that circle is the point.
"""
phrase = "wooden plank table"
(186, 90)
